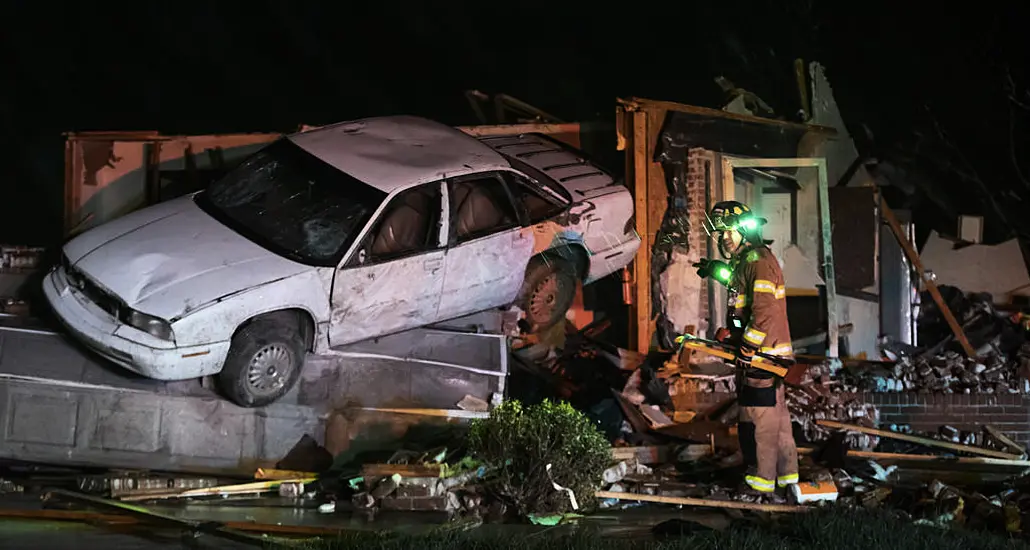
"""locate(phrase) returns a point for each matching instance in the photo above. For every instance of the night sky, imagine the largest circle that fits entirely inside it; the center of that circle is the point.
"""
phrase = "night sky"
(929, 90)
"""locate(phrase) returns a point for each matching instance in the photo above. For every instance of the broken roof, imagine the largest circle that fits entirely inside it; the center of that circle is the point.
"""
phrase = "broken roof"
(687, 126)
(393, 152)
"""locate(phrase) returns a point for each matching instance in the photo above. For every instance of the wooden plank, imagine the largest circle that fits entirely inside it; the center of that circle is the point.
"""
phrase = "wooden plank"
(715, 113)
(403, 470)
(902, 457)
(642, 263)
(516, 129)
(272, 473)
(920, 440)
(655, 454)
(1004, 439)
(913, 257)
(731, 504)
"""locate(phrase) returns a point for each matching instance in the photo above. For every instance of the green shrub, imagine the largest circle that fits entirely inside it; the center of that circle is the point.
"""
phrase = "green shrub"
(518, 443)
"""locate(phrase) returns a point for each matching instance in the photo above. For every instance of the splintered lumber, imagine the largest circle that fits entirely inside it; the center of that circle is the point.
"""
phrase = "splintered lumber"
(644, 455)
(913, 257)
(273, 474)
(684, 501)
(920, 440)
(238, 489)
(403, 470)
(1005, 440)
(937, 459)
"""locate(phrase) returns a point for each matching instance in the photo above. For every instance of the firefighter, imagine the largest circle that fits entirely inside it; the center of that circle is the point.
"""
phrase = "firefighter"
(758, 323)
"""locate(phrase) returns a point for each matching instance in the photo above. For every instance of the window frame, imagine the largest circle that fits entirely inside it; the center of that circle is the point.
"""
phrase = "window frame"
(365, 243)
(511, 180)
(452, 237)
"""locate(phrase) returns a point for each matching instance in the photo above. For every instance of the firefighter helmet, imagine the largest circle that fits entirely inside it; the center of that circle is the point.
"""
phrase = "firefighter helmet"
(734, 216)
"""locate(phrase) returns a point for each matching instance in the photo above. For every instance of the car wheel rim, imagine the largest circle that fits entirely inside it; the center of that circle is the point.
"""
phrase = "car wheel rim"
(545, 297)
(269, 369)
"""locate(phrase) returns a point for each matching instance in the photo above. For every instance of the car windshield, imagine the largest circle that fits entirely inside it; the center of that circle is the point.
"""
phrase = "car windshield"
(292, 203)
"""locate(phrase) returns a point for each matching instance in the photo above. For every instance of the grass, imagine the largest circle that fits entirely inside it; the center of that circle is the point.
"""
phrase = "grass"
(823, 530)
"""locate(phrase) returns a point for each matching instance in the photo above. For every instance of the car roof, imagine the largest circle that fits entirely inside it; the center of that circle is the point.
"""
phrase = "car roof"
(395, 152)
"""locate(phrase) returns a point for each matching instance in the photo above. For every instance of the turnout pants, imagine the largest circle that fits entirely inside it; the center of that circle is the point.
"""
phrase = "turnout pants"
(766, 436)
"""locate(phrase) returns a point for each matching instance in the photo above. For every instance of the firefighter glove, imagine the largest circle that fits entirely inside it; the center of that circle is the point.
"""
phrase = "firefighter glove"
(720, 271)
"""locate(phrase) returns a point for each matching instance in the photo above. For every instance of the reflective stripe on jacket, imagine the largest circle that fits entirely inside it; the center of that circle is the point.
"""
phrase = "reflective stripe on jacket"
(762, 302)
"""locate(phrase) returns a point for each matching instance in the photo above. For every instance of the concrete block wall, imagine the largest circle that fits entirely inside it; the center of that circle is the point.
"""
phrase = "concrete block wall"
(1009, 413)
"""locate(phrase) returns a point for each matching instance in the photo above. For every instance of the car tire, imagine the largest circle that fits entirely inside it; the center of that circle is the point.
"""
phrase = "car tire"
(547, 291)
(264, 362)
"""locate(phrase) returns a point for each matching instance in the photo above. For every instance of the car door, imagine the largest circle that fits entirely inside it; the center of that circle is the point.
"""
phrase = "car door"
(393, 280)
(488, 249)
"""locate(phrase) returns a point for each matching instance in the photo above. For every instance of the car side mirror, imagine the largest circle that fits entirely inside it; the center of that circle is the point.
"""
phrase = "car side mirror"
(362, 256)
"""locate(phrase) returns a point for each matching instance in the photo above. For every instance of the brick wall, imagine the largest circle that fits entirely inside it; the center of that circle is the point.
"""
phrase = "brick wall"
(696, 208)
(1010, 413)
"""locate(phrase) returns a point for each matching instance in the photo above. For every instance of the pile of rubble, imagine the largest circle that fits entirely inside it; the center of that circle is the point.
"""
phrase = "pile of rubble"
(948, 372)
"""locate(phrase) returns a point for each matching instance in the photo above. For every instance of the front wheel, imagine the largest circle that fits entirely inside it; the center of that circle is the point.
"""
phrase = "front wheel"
(547, 291)
(264, 362)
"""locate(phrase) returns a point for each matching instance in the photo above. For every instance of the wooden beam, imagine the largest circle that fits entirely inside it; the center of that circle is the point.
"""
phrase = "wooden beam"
(637, 102)
(403, 470)
(920, 440)
(642, 263)
(795, 162)
(516, 129)
(928, 458)
(913, 258)
(1004, 439)
(732, 504)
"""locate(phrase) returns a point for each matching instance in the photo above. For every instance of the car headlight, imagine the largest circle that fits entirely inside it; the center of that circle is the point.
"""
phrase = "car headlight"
(153, 326)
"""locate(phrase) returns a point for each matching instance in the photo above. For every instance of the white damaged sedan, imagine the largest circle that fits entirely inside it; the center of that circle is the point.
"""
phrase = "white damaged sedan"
(337, 235)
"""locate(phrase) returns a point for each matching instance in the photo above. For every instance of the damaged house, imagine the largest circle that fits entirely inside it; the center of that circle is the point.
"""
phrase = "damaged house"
(803, 178)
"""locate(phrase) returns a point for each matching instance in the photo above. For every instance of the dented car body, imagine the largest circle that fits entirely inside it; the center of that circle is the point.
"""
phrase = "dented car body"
(337, 235)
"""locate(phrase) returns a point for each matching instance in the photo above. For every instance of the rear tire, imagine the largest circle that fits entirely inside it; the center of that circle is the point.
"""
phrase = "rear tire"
(547, 291)
(264, 363)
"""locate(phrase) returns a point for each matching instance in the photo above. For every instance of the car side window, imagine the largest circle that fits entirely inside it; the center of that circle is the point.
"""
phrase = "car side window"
(480, 205)
(409, 224)
(533, 204)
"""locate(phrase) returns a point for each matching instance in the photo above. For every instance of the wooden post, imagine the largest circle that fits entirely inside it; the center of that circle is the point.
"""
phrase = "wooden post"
(642, 263)
(913, 257)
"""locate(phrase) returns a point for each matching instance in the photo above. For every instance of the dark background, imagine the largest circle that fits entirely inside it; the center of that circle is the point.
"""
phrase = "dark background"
(937, 93)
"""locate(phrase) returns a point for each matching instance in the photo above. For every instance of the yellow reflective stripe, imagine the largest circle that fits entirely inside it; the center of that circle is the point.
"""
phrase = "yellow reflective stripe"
(780, 350)
(781, 292)
(761, 285)
(790, 479)
(754, 337)
(740, 302)
(760, 484)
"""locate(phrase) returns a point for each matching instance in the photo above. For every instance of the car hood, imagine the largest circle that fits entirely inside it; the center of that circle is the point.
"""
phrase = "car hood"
(169, 259)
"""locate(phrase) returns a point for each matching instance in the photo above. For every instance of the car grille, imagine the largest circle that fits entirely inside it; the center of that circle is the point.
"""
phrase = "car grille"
(88, 288)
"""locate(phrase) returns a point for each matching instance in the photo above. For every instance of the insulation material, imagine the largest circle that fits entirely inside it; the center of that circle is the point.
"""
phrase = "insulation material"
(999, 270)
(681, 288)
